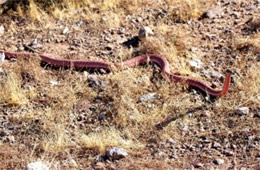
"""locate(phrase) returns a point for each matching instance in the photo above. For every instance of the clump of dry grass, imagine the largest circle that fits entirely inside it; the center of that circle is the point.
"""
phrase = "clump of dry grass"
(189, 9)
(110, 137)
(245, 42)
(11, 91)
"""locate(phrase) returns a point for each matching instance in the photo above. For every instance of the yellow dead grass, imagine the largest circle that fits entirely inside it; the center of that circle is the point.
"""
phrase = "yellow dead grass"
(110, 137)
(11, 91)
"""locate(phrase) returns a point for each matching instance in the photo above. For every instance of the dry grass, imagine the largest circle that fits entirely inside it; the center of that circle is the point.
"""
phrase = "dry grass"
(189, 9)
(110, 137)
(11, 91)
(252, 41)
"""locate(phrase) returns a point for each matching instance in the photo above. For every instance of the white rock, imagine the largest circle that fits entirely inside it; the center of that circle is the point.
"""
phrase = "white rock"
(242, 111)
(218, 161)
(2, 57)
(37, 166)
(146, 97)
(65, 31)
(196, 63)
(116, 153)
(72, 163)
(1, 71)
(2, 30)
(213, 12)
(171, 141)
(193, 49)
(53, 83)
(212, 74)
(144, 32)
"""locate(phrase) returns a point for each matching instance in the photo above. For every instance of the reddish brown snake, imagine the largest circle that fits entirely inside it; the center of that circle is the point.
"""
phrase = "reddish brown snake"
(153, 58)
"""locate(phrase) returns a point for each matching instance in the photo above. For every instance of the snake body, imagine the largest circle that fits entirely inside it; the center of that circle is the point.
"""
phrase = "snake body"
(142, 59)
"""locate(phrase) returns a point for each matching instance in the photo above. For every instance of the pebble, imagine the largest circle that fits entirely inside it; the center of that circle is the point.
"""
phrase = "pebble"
(218, 161)
(2, 57)
(213, 12)
(171, 141)
(37, 166)
(2, 30)
(65, 31)
(258, 155)
(72, 163)
(94, 81)
(53, 83)
(144, 32)
(116, 153)
(198, 165)
(196, 64)
(79, 23)
(215, 75)
(216, 145)
(147, 97)
(101, 117)
(193, 49)
(228, 153)
(242, 111)
(34, 44)
(3, 1)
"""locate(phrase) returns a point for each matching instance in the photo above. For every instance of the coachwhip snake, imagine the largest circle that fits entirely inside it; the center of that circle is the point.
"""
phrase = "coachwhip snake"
(142, 59)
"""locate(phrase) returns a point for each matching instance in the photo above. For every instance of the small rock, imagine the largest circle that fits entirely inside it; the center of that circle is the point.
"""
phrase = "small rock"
(195, 64)
(99, 158)
(171, 141)
(121, 30)
(37, 166)
(250, 7)
(72, 163)
(144, 32)
(193, 49)
(185, 128)
(2, 30)
(2, 57)
(218, 161)
(215, 75)
(198, 165)
(34, 44)
(242, 111)
(206, 113)
(116, 153)
(256, 115)
(213, 12)
(162, 155)
(216, 145)
(258, 155)
(3, 1)
(94, 81)
(236, 15)
(139, 19)
(65, 31)
(79, 23)
(53, 83)
(146, 97)
(101, 116)
(109, 47)
(228, 153)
